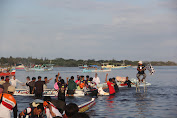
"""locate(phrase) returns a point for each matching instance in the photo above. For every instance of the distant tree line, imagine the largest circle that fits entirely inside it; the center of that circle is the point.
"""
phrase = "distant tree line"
(4, 62)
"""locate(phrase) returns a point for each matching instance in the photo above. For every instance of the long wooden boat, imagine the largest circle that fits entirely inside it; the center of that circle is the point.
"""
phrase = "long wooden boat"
(86, 106)
(47, 92)
(53, 92)
(121, 84)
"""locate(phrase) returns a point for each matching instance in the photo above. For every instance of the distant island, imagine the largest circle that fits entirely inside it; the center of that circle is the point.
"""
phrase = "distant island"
(60, 62)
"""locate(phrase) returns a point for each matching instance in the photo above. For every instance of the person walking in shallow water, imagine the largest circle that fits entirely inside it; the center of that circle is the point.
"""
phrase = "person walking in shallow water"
(128, 82)
(96, 79)
(39, 87)
(110, 85)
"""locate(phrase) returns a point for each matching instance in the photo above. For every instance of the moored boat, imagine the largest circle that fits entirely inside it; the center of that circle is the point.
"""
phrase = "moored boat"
(82, 66)
(20, 67)
(7, 73)
(96, 70)
(115, 66)
(44, 67)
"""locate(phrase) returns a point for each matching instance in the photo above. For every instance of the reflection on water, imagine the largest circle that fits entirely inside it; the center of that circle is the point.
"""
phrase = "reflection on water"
(142, 103)
(109, 102)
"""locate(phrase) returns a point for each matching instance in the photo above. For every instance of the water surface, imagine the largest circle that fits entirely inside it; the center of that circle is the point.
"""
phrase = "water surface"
(159, 101)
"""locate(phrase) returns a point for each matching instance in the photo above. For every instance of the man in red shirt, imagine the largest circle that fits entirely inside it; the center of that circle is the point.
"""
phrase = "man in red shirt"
(110, 85)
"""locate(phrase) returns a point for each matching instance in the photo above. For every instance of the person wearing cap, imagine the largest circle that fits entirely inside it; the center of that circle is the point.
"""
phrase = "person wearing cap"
(2, 80)
(6, 84)
(141, 68)
(11, 90)
(8, 103)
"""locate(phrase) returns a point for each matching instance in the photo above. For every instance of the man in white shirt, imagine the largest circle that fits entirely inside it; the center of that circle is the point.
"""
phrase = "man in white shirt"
(14, 81)
(96, 79)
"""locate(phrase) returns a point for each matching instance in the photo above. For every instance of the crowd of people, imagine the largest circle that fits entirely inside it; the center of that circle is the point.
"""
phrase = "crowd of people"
(51, 107)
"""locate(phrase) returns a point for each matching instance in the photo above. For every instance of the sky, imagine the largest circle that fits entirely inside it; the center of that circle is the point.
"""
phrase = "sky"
(89, 29)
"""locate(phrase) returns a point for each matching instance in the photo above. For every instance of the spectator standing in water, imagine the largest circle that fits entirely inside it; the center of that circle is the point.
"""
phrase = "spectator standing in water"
(115, 84)
(31, 85)
(61, 88)
(27, 82)
(39, 87)
(110, 85)
(71, 86)
(61, 91)
(96, 79)
(128, 82)
(46, 81)
(14, 81)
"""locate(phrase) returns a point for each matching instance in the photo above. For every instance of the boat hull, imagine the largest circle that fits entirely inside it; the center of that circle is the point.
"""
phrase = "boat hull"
(52, 92)
(103, 85)
(7, 74)
(39, 69)
(86, 106)
(87, 70)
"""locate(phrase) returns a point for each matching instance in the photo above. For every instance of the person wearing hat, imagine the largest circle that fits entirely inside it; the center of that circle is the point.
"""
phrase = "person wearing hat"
(11, 90)
(7, 103)
(6, 84)
(141, 68)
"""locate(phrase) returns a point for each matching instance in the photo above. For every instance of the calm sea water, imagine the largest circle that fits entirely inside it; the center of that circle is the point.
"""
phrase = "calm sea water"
(159, 101)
